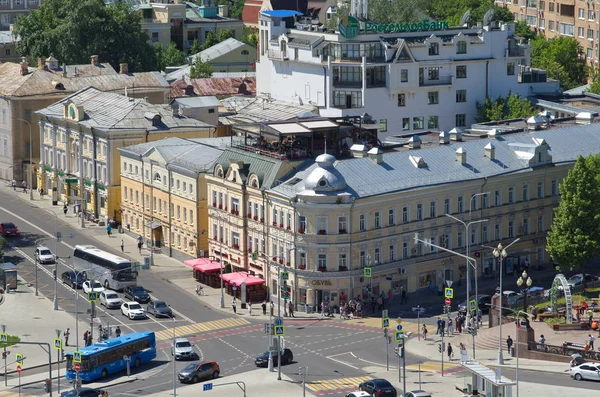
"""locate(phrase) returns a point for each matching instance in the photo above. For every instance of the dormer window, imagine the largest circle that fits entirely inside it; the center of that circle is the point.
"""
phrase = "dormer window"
(220, 173)
(323, 183)
(434, 49)
(157, 177)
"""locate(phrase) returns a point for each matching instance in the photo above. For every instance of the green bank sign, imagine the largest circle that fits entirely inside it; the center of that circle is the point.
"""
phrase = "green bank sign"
(349, 27)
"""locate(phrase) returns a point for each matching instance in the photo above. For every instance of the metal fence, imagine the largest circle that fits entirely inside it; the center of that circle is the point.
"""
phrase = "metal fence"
(564, 350)
(545, 297)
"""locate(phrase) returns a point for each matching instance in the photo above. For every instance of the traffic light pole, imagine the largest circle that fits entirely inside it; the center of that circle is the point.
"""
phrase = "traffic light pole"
(442, 350)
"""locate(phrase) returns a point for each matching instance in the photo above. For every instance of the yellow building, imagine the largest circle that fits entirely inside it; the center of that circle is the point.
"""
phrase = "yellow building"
(10, 10)
(80, 137)
(326, 220)
(163, 192)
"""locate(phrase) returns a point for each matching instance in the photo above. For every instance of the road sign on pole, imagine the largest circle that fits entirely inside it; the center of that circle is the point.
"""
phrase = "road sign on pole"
(279, 330)
(58, 343)
(92, 296)
(18, 368)
(398, 336)
(77, 367)
(449, 283)
(76, 357)
(367, 272)
(384, 313)
(472, 305)
(399, 327)
(19, 358)
(385, 323)
(399, 320)
(449, 293)
(3, 338)
(207, 387)
(285, 276)
(447, 301)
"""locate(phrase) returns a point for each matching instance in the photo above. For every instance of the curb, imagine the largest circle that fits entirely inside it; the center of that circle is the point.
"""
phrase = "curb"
(528, 369)
(116, 382)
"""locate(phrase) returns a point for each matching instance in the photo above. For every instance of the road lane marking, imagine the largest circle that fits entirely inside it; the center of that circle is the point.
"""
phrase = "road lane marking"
(191, 329)
(341, 362)
(37, 227)
(336, 384)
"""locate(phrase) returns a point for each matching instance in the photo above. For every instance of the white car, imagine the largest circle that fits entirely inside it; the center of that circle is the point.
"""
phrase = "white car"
(588, 371)
(133, 310)
(110, 299)
(184, 350)
(43, 255)
(92, 286)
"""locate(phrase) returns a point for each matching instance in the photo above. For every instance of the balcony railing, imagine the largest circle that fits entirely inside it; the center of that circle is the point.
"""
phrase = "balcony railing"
(442, 80)
(515, 52)
(347, 84)
(277, 54)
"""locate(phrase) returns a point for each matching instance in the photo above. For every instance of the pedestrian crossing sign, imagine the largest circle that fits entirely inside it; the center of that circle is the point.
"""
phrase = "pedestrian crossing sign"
(76, 356)
(58, 343)
(398, 336)
(92, 296)
(19, 358)
(279, 330)
(367, 272)
(3, 338)
(472, 304)
(285, 276)
(449, 293)
(385, 323)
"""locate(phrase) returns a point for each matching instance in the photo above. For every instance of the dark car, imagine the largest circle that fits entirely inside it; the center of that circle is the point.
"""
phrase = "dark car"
(72, 278)
(195, 372)
(378, 388)
(263, 360)
(159, 309)
(484, 304)
(83, 392)
(9, 229)
(136, 293)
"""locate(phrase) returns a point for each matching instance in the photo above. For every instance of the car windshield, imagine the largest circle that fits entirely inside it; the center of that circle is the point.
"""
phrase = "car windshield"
(575, 278)
(183, 344)
(9, 226)
(96, 284)
(135, 306)
(160, 304)
(191, 367)
(381, 383)
(125, 275)
(45, 252)
(112, 296)
(137, 289)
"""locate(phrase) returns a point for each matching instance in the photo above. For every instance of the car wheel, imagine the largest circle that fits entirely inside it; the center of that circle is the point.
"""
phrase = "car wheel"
(195, 379)
(215, 374)
(578, 377)
(104, 373)
(136, 363)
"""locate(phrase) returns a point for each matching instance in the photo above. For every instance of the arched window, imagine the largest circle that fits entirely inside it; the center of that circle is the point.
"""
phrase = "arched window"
(157, 177)
(245, 52)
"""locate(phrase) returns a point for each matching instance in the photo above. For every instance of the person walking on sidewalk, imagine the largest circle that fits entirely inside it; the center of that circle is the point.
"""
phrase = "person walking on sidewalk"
(509, 344)
(264, 307)
(65, 209)
(41, 193)
(450, 352)
(272, 308)
(122, 246)
(67, 334)
(118, 331)
(591, 341)
(403, 296)
(109, 230)
(250, 308)
(14, 185)
(450, 326)
(439, 326)
(443, 328)
(291, 309)
(234, 305)
(24, 184)
(85, 337)
(424, 331)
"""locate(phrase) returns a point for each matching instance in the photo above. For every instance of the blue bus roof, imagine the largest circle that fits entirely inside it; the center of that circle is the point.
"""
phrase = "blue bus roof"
(111, 343)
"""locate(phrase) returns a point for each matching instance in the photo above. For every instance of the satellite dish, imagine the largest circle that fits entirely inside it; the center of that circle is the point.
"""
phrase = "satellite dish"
(465, 18)
(487, 18)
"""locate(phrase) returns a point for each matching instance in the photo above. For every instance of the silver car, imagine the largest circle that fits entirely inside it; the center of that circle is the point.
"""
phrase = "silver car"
(587, 371)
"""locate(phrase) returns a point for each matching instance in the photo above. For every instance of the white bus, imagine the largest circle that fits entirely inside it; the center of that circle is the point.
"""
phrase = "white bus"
(110, 270)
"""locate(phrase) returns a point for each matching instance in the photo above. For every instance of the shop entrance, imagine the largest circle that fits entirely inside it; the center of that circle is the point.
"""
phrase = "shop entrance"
(321, 296)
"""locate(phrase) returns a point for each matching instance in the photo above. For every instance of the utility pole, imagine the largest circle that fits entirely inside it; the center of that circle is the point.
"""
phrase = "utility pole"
(303, 371)
(5, 354)
(441, 349)
(279, 316)
(58, 355)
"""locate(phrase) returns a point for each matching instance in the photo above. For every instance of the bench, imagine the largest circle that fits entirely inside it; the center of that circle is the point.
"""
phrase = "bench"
(542, 316)
(574, 326)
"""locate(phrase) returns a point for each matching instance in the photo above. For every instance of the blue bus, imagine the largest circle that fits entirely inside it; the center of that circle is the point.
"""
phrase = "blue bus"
(105, 358)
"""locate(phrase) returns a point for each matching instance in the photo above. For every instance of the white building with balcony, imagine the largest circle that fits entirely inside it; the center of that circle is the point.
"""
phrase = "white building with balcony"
(417, 80)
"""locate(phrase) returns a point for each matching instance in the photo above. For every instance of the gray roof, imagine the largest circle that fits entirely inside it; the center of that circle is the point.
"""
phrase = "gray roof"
(198, 101)
(266, 168)
(302, 40)
(107, 111)
(218, 50)
(364, 177)
(261, 108)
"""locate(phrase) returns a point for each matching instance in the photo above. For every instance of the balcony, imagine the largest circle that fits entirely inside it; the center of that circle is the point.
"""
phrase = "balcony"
(347, 84)
(442, 80)
(152, 20)
(518, 52)
(376, 84)
(277, 54)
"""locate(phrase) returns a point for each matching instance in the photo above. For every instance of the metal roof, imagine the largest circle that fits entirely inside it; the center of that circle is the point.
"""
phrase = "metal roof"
(7, 37)
(220, 49)
(262, 108)
(280, 13)
(487, 373)
(366, 178)
(214, 86)
(198, 101)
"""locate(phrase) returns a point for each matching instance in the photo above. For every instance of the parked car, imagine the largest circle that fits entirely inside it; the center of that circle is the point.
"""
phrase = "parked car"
(194, 372)
(133, 310)
(92, 286)
(484, 304)
(358, 394)
(9, 229)
(184, 350)
(43, 255)
(577, 279)
(136, 293)
(588, 371)
(83, 392)
(110, 299)
(159, 309)
(379, 388)
(417, 393)
(263, 360)
(72, 278)
(511, 296)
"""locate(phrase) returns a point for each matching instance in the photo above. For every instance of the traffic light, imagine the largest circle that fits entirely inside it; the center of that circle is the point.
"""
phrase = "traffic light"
(285, 290)
(4, 355)
(47, 385)
(439, 347)
(472, 331)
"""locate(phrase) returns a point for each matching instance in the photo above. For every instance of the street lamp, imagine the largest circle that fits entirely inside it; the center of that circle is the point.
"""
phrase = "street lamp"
(524, 282)
(29, 176)
(501, 254)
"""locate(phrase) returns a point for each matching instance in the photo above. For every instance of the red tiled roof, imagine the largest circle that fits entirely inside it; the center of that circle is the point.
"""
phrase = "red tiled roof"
(251, 11)
(216, 86)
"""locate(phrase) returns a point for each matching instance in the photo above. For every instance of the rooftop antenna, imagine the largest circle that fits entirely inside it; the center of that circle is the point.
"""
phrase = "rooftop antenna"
(465, 18)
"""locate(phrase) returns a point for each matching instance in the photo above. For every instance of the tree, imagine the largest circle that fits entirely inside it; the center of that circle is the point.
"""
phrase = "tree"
(236, 9)
(511, 107)
(72, 30)
(452, 11)
(250, 36)
(201, 70)
(168, 56)
(575, 232)
(560, 57)
(195, 47)
(209, 41)
(522, 29)
(224, 34)
(397, 11)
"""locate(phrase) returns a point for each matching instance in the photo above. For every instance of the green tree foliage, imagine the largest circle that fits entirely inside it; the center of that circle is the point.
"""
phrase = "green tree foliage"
(559, 56)
(342, 11)
(211, 40)
(72, 30)
(224, 34)
(595, 86)
(522, 30)
(168, 56)
(511, 107)
(397, 11)
(452, 11)
(575, 233)
(250, 36)
(195, 47)
(201, 70)
(236, 9)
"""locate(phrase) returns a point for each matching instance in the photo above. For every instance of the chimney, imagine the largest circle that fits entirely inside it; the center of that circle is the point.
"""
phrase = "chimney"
(41, 63)
(94, 60)
(461, 155)
(444, 138)
(123, 68)
(24, 68)
(490, 151)
(456, 134)
(358, 150)
(414, 142)
(376, 155)
(189, 90)
(64, 69)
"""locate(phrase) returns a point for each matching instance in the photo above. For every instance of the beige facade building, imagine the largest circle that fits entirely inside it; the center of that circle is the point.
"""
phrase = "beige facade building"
(11, 9)
(80, 137)
(163, 196)
(326, 220)
(552, 18)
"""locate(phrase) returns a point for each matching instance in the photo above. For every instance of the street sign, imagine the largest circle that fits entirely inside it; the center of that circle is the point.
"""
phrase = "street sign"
(385, 323)
(278, 321)
(207, 387)
(399, 320)
(472, 304)
(279, 330)
(384, 313)
(3, 338)
(285, 276)
(18, 368)
(77, 367)
(449, 283)
(398, 336)
(447, 301)
(19, 358)
(92, 296)
(367, 271)
(76, 357)
(58, 343)
(449, 293)
(399, 327)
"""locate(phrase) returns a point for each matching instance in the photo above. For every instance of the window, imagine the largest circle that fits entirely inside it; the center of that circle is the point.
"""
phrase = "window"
(154, 206)
(405, 217)
(590, 15)
(553, 188)
(383, 125)
(392, 253)
(377, 220)
(542, 5)
(419, 212)
(590, 34)
(525, 226)
(406, 123)
(347, 99)
(580, 32)
(154, 37)
(322, 224)
(191, 217)
(461, 47)
(342, 224)
(362, 259)
(401, 100)
(274, 219)
(473, 238)
(461, 72)
(301, 260)
(566, 29)
(459, 240)
(484, 234)
(433, 122)
(377, 256)
(589, 52)
(433, 98)
(461, 96)
(540, 223)
(497, 198)
(235, 206)
(362, 222)
(497, 232)
(432, 212)
(391, 217)
(460, 204)
(551, 25)
(540, 189)
(404, 75)
(511, 195)
(550, 6)
(444, 241)
(434, 49)
(461, 120)
(511, 229)
(184, 215)
(418, 123)
(525, 191)
(342, 261)
(322, 261)
(510, 69)
(178, 213)
(405, 252)
(433, 73)
(447, 206)
(7, 52)
(542, 23)
(289, 220)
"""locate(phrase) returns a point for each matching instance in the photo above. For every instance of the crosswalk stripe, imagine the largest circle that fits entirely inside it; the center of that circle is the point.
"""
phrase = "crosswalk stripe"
(315, 387)
(7, 393)
(195, 328)
(328, 386)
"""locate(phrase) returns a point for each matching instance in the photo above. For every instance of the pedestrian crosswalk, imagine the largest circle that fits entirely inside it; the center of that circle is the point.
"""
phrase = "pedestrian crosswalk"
(196, 328)
(336, 384)
(434, 366)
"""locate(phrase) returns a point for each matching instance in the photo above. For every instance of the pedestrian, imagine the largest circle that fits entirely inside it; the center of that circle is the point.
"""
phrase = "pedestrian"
(100, 331)
(89, 341)
(139, 244)
(479, 316)
(65, 209)
(249, 308)
(108, 230)
(403, 296)
(264, 307)
(373, 304)
(122, 246)
(322, 308)
(291, 309)
(85, 337)
(272, 308)
(380, 303)
(590, 314)
(450, 326)
(509, 344)
(67, 334)
(591, 342)
(41, 193)
(14, 185)
(424, 331)
(24, 184)
(389, 296)
(450, 352)
(234, 305)
(439, 325)
(118, 331)
(443, 327)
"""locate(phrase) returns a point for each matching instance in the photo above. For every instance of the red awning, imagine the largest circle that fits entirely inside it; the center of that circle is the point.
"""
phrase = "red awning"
(208, 267)
(240, 277)
(197, 261)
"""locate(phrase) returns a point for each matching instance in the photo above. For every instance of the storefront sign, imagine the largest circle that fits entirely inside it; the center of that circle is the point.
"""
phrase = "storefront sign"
(321, 282)
(422, 26)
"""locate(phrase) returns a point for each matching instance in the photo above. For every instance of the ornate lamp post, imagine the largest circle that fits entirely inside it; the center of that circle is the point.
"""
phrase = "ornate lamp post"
(524, 282)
